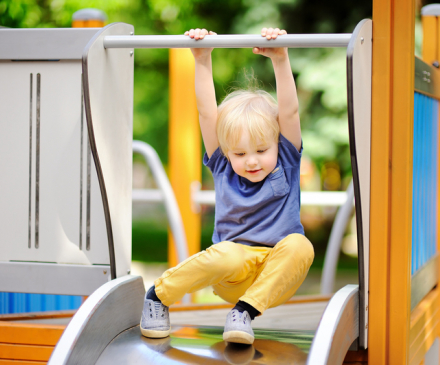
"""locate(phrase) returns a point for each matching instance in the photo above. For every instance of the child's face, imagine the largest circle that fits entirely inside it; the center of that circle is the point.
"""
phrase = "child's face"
(253, 162)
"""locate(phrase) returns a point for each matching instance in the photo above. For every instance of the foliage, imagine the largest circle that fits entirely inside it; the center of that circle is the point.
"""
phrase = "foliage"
(320, 73)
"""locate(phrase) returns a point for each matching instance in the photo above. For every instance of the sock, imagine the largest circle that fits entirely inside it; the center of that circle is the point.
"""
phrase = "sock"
(243, 306)
(151, 294)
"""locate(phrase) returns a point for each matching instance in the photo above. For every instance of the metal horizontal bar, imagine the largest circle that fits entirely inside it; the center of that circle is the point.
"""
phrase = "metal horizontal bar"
(207, 197)
(227, 41)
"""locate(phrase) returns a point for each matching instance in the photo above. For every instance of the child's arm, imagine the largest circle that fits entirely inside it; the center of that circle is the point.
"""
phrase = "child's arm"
(286, 90)
(205, 93)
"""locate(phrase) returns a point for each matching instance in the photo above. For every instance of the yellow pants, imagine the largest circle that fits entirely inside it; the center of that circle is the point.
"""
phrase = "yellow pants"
(263, 277)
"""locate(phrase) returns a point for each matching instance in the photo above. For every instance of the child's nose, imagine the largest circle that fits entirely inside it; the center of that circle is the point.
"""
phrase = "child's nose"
(252, 161)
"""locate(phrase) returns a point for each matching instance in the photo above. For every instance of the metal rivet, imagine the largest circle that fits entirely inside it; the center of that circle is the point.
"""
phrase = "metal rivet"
(131, 53)
(362, 40)
(105, 272)
(128, 272)
(131, 33)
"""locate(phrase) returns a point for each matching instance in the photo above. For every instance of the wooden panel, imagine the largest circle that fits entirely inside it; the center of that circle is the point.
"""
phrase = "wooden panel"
(380, 181)
(185, 146)
(402, 67)
(391, 198)
(21, 362)
(423, 327)
(37, 315)
(31, 334)
(25, 352)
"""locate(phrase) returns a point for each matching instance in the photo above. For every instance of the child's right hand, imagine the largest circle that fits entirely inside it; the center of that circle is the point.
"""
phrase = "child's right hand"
(272, 53)
(199, 34)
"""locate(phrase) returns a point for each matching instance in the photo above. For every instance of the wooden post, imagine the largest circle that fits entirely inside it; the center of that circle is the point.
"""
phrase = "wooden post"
(430, 54)
(185, 158)
(391, 180)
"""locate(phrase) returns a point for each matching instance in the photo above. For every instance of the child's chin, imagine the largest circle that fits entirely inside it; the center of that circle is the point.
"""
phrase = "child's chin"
(256, 178)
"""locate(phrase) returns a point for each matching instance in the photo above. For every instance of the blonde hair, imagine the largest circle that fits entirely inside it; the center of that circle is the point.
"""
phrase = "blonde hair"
(253, 111)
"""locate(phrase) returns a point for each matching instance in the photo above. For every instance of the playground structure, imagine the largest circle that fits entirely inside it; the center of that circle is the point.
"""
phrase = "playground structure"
(399, 322)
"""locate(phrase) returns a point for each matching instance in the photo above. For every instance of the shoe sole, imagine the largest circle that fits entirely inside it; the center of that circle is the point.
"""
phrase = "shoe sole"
(238, 337)
(154, 333)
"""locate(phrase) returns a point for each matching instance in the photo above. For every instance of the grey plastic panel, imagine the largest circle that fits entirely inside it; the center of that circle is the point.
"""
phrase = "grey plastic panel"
(424, 80)
(40, 141)
(359, 53)
(43, 278)
(44, 44)
(108, 99)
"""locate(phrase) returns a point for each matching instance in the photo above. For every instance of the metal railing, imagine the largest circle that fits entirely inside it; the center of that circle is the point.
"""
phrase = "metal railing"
(227, 41)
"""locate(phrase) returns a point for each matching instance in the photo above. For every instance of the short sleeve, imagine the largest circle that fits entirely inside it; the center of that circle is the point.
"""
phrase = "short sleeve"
(217, 163)
(288, 152)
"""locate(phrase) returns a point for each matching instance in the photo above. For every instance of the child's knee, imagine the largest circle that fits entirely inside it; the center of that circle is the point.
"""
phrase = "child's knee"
(296, 244)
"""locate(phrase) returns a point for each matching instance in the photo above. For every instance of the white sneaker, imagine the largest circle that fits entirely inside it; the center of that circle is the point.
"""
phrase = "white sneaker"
(238, 328)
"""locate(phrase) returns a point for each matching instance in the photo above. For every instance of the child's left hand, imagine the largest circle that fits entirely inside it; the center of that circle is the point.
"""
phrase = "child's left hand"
(272, 53)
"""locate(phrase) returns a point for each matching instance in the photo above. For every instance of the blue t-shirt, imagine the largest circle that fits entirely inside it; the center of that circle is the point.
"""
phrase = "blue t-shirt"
(257, 214)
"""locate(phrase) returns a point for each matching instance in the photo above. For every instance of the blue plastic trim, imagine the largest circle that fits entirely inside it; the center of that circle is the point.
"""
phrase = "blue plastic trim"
(25, 303)
(425, 176)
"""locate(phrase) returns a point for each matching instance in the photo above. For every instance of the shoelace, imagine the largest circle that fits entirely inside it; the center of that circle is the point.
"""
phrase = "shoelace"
(157, 306)
(241, 316)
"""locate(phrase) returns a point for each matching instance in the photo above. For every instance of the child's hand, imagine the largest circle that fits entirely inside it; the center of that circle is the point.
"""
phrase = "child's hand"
(272, 53)
(199, 34)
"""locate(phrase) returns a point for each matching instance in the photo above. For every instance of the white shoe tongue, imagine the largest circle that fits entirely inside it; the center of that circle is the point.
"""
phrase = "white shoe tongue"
(157, 306)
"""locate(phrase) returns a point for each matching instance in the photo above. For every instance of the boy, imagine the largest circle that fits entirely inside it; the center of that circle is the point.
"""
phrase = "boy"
(260, 255)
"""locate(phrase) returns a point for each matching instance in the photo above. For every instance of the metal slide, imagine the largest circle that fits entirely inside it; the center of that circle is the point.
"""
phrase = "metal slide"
(105, 330)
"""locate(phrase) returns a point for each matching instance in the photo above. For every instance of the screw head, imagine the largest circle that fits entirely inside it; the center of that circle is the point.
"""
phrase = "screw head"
(105, 272)
(131, 33)
(362, 40)
(131, 53)
(128, 272)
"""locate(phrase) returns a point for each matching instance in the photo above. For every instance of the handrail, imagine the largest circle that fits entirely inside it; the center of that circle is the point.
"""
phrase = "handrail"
(338, 328)
(172, 209)
(227, 41)
(334, 243)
